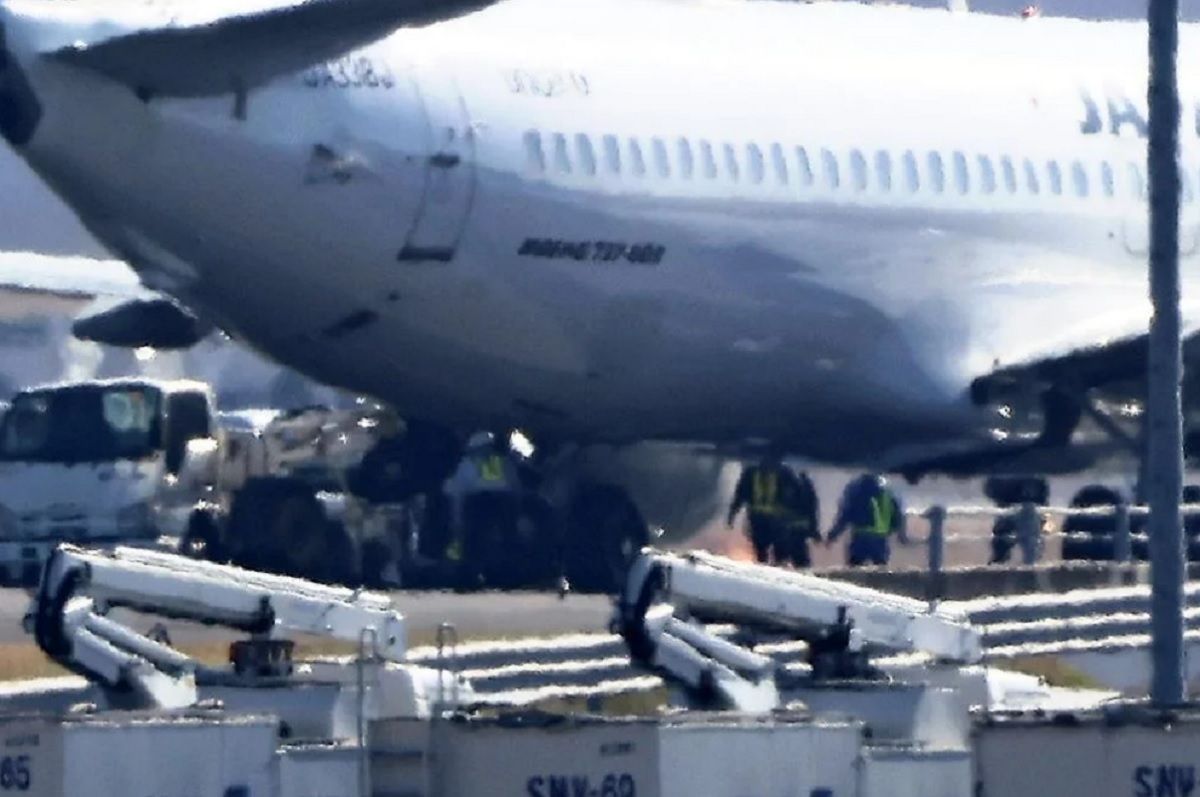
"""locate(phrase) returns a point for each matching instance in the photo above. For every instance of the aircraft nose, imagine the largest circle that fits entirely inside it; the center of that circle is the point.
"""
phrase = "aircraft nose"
(20, 110)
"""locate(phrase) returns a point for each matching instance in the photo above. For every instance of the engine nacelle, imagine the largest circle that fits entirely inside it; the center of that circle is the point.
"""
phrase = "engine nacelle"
(158, 323)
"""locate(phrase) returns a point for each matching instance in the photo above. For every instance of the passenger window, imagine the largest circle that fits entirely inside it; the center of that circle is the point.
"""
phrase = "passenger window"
(1031, 178)
(779, 162)
(662, 162)
(1055, 174)
(1107, 180)
(612, 154)
(912, 175)
(858, 168)
(1010, 174)
(709, 160)
(637, 164)
(1079, 178)
(534, 155)
(937, 172)
(883, 170)
(961, 179)
(830, 165)
(731, 163)
(754, 160)
(804, 167)
(687, 165)
(562, 158)
(1136, 182)
(587, 156)
(987, 175)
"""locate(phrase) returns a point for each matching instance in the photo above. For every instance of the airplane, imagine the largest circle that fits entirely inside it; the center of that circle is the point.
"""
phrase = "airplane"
(905, 238)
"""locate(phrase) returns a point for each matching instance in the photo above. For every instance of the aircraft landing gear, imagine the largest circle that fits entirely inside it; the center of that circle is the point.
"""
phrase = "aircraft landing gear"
(603, 533)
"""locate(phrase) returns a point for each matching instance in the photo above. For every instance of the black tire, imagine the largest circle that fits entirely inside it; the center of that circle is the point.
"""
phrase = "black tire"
(604, 532)
(278, 526)
(1100, 529)
(202, 540)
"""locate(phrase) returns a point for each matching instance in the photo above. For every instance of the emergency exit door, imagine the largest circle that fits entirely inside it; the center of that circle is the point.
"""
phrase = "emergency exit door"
(449, 172)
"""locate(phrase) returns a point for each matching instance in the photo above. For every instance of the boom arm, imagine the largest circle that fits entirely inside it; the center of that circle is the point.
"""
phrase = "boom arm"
(833, 617)
(79, 586)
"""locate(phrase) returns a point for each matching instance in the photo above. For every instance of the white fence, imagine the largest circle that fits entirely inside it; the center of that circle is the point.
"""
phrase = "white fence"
(1027, 533)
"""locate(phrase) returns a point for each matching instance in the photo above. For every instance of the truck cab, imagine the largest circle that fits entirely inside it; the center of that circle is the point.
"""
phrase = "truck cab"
(95, 462)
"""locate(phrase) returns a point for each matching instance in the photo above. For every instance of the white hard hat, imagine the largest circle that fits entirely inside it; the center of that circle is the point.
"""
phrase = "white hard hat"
(481, 440)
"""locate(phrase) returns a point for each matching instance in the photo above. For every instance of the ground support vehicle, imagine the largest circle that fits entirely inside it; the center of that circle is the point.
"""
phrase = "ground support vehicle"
(98, 463)
(152, 463)
(138, 461)
(307, 493)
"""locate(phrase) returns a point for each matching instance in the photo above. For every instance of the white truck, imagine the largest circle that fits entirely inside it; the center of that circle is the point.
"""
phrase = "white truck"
(151, 463)
(94, 462)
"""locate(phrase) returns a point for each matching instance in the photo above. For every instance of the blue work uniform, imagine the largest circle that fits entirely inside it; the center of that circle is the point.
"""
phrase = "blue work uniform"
(873, 514)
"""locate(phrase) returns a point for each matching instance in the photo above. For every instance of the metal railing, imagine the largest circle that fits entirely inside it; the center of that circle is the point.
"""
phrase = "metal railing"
(1029, 536)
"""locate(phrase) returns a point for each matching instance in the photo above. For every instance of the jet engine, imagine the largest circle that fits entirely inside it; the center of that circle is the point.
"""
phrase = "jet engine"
(157, 322)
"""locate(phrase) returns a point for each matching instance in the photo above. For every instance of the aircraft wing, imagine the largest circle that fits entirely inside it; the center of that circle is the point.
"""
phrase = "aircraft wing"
(186, 57)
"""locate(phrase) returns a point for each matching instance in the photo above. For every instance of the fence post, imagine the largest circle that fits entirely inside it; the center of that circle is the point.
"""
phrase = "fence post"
(935, 587)
(1122, 542)
(1028, 533)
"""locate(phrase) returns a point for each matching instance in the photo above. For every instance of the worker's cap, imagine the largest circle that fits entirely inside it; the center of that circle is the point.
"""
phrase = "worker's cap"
(481, 440)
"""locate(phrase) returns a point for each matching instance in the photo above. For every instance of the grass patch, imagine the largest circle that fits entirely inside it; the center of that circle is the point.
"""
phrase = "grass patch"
(630, 704)
(1054, 672)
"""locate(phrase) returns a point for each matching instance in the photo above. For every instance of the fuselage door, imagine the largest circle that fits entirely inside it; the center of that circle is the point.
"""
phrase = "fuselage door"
(449, 171)
(1135, 228)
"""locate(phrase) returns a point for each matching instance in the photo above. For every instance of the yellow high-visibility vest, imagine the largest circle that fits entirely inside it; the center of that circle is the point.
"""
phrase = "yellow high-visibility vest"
(765, 497)
(491, 468)
(883, 510)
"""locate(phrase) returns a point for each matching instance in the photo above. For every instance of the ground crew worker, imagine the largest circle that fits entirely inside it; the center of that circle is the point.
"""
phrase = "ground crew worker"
(383, 476)
(803, 523)
(772, 494)
(484, 494)
(872, 513)
(1009, 493)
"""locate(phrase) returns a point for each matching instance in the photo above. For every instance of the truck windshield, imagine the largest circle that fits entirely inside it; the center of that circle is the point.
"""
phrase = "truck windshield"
(88, 423)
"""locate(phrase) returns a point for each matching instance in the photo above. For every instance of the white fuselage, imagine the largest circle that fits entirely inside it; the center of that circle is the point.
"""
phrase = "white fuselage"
(609, 220)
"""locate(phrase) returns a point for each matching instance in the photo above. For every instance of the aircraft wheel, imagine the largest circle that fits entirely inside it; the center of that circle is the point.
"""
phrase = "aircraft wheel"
(278, 526)
(202, 540)
(604, 532)
(1100, 546)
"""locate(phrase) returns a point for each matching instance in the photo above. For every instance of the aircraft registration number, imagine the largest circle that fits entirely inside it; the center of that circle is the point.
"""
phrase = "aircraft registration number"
(350, 72)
